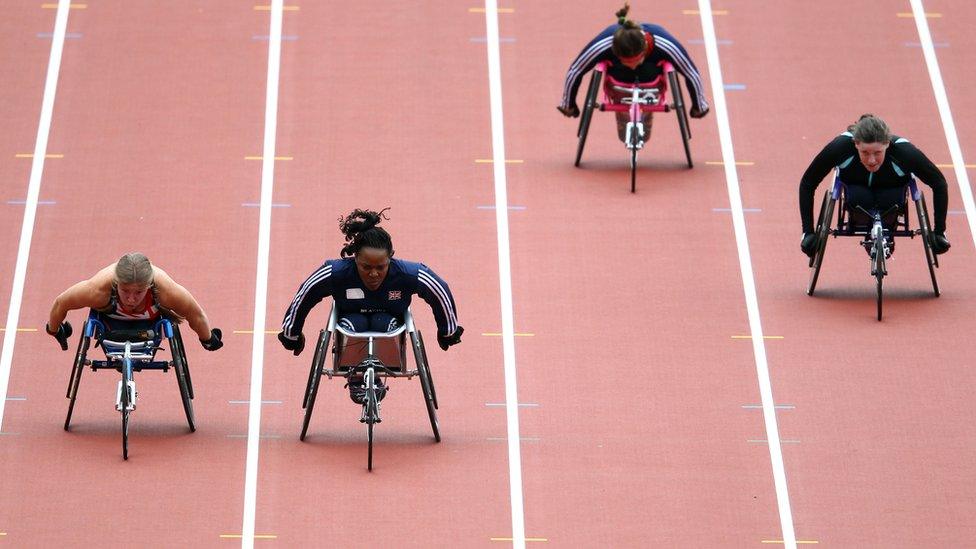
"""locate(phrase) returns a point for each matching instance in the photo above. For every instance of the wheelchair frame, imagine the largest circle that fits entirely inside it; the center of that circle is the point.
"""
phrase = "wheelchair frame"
(127, 357)
(846, 227)
(668, 78)
(370, 362)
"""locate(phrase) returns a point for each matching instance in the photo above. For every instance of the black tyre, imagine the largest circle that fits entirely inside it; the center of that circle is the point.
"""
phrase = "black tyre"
(880, 285)
(926, 232)
(75, 379)
(679, 107)
(587, 114)
(369, 444)
(320, 346)
(633, 170)
(823, 232)
(314, 379)
(178, 345)
(181, 379)
(425, 384)
(430, 378)
(125, 417)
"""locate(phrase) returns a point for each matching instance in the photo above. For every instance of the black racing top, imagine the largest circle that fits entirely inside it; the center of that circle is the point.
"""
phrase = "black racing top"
(902, 159)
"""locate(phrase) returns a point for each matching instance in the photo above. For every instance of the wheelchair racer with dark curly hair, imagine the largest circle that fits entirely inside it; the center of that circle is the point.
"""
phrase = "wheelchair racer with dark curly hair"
(635, 51)
(371, 290)
(875, 167)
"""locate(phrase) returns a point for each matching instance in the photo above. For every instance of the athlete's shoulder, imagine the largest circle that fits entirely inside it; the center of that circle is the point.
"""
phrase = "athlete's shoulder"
(407, 268)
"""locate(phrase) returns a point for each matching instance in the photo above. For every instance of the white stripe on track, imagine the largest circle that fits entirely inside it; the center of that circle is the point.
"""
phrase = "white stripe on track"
(261, 287)
(505, 275)
(748, 280)
(942, 100)
(33, 191)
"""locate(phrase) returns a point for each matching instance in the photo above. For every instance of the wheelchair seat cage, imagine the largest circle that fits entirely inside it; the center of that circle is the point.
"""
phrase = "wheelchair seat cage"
(877, 229)
(370, 354)
(128, 351)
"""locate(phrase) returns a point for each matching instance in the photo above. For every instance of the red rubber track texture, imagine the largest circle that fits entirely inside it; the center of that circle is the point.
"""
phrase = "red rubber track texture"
(882, 409)
(156, 109)
(633, 299)
(397, 123)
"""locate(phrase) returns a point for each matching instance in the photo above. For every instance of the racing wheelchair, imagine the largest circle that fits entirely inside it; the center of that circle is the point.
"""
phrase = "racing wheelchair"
(877, 229)
(363, 358)
(129, 350)
(636, 99)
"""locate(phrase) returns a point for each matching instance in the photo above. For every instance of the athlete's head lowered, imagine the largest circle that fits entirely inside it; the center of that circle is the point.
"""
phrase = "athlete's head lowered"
(133, 278)
(871, 138)
(630, 42)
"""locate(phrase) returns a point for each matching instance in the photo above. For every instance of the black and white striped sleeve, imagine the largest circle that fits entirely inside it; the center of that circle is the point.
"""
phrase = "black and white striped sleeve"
(314, 289)
(599, 49)
(432, 289)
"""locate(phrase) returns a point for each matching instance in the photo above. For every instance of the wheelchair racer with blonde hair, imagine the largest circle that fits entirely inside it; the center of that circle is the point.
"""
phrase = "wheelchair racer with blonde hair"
(132, 290)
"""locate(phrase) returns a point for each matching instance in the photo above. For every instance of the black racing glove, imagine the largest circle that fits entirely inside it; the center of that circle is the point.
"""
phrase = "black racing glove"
(695, 112)
(809, 244)
(294, 345)
(214, 342)
(62, 334)
(571, 111)
(938, 242)
(453, 339)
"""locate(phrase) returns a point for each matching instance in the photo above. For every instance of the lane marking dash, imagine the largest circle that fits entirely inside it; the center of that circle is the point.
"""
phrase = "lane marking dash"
(284, 8)
(750, 337)
(498, 334)
(909, 15)
(537, 540)
(21, 329)
(256, 536)
(500, 10)
(721, 163)
(252, 331)
(262, 158)
(490, 160)
(698, 12)
(31, 155)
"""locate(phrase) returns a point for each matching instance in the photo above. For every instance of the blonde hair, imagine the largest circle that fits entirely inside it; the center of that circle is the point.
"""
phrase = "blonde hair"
(134, 268)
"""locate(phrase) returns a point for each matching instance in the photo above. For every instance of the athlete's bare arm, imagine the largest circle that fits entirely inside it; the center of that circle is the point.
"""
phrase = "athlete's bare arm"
(94, 292)
(177, 298)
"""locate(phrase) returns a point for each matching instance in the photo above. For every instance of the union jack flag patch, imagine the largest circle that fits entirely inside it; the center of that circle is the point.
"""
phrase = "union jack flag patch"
(395, 294)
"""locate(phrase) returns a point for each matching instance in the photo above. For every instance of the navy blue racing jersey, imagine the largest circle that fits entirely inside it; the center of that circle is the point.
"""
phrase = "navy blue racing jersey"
(665, 48)
(339, 279)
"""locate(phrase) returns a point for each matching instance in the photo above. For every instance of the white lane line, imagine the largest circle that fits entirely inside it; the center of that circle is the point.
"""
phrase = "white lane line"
(748, 280)
(505, 275)
(261, 288)
(33, 191)
(942, 100)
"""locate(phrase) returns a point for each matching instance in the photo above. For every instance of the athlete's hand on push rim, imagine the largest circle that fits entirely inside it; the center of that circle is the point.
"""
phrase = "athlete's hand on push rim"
(214, 342)
(61, 334)
(294, 345)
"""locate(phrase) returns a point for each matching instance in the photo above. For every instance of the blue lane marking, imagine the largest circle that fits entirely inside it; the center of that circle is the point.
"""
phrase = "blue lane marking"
(956, 212)
(258, 205)
(248, 401)
(735, 86)
(702, 41)
(39, 202)
(934, 44)
(747, 210)
(284, 37)
(492, 207)
(71, 35)
(484, 40)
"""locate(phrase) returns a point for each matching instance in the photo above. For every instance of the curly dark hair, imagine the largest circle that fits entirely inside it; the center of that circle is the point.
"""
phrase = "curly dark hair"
(629, 39)
(362, 231)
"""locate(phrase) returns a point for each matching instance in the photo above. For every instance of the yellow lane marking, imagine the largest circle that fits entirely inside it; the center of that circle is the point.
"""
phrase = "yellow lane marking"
(696, 12)
(491, 160)
(21, 329)
(799, 541)
(268, 8)
(764, 337)
(262, 158)
(498, 334)
(543, 540)
(71, 6)
(909, 15)
(256, 536)
(968, 166)
(31, 155)
(482, 10)
(252, 331)
(737, 163)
